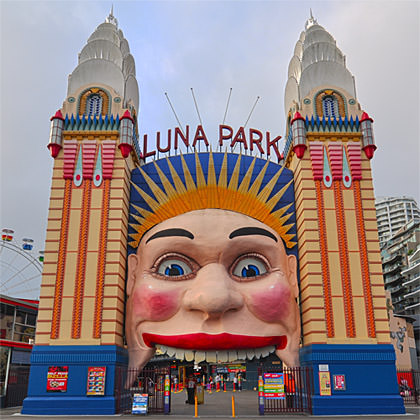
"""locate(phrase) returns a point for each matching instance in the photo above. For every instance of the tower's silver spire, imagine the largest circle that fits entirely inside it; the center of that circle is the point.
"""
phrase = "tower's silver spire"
(111, 18)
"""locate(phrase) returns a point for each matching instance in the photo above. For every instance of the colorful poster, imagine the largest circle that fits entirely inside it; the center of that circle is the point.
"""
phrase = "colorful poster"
(140, 402)
(57, 378)
(339, 382)
(96, 380)
(274, 386)
(324, 383)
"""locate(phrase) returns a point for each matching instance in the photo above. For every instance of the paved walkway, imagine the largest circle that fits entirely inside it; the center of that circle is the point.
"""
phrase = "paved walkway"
(216, 406)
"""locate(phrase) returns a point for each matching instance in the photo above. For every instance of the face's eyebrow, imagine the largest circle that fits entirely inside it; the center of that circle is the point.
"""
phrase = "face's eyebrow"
(251, 231)
(171, 232)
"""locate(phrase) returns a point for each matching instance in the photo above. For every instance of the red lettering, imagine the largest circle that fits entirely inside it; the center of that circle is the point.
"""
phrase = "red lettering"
(185, 138)
(166, 149)
(145, 153)
(227, 136)
(200, 135)
(256, 141)
(273, 144)
(239, 138)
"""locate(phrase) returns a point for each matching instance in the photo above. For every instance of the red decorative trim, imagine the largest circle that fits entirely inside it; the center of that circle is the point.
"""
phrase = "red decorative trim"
(355, 160)
(14, 303)
(324, 255)
(54, 149)
(81, 261)
(367, 289)
(369, 150)
(125, 149)
(365, 117)
(61, 260)
(335, 151)
(70, 152)
(89, 153)
(108, 155)
(299, 150)
(344, 259)
(317, 159)
(18, 344)
(127, 115)
(99, 298)
(58, 115)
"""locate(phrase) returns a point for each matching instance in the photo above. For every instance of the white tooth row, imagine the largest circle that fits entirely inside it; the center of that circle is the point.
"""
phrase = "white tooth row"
(214, 356)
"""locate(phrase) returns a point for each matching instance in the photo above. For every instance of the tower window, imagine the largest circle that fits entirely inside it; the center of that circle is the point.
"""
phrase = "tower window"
(94, 104)
(330, 106)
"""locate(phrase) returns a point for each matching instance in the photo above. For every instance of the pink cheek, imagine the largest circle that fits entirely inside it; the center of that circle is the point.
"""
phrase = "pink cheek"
(155, 305)
(272, 304)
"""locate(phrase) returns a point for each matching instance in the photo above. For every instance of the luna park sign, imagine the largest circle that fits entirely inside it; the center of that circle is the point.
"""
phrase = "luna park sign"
(248, 139)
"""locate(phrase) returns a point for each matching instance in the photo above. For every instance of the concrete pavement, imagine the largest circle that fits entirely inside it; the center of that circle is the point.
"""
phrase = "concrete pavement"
(216, 406)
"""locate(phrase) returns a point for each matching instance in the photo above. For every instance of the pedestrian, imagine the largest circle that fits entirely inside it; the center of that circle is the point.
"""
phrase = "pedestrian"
(190, 390)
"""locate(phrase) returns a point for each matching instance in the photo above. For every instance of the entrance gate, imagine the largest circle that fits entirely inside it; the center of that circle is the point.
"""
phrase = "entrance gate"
(150, 381)
(298, 388)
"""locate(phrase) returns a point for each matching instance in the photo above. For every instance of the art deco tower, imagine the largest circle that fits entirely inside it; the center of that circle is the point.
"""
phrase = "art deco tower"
(81, 312)
(329, 147)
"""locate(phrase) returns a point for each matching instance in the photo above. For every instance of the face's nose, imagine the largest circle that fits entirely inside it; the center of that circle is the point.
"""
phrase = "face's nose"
(212, 292)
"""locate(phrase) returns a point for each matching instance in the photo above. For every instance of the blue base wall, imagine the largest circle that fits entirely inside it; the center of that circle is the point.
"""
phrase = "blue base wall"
(78, 359)
(370, 375)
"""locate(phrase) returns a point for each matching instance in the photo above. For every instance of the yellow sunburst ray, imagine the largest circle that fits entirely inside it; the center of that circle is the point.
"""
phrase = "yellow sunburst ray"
(143, 212)
(152, 203)
(276, 197)
(265, 193)
(243, 188)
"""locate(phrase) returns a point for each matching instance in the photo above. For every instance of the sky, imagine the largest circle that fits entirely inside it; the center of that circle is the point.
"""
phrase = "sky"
(210, 46)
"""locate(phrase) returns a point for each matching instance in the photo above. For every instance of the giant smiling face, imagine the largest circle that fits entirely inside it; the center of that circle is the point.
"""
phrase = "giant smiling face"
(212, 285)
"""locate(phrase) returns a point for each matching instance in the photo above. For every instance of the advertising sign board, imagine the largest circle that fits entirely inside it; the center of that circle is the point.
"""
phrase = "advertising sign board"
(57, 378)
(274, 386)
(140, 402)
(339, 382)
(324, 383)
(96, 380)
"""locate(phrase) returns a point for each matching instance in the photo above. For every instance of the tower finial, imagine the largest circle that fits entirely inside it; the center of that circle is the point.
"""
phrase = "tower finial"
(311, 21)
(111, 18)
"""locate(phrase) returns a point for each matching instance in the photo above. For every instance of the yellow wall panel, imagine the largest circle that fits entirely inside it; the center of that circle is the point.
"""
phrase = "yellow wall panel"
(335, 274)
(70, 273)
(339, 319)
(356, 274)
(348, 199)
(331, 230)
(96, 198)
(91, 274)
(360, 317)
(45, 315)
(351, 230)
(76, 197)
(366, 194)
(383, 338)
(94, 230)
(55, 214)
(43, 327)
(74, 231)
(66, 318)
(117, 193)
(56, 203)
(329, 202)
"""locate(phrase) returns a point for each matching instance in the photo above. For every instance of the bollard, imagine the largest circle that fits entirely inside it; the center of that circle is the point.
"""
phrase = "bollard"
(195, 406)
(234, 387)
(224, 387)
(233, 406)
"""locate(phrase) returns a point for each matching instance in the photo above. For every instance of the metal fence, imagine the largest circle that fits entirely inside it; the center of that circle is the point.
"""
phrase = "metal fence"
(17, 385)
(298, 387)
(149, 381)
(409, 386)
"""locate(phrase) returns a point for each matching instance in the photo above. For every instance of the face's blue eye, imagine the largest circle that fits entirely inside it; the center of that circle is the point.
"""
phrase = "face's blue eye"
(174, 268)
(249, 267)
(250, 271)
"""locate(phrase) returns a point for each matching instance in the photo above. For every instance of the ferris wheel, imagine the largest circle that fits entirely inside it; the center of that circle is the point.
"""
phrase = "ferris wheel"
(20, 267)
